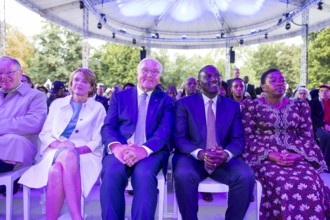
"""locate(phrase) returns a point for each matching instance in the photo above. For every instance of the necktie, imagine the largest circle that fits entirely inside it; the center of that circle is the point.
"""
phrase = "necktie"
(141, 122)
(210, 121)
(211, 138)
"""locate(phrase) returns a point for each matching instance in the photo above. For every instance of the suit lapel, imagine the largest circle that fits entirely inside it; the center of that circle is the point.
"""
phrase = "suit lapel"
(199, 109)
(152, 107)
(219, 120)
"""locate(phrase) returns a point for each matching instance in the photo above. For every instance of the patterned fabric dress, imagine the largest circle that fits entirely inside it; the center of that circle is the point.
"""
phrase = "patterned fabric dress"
(295, 192)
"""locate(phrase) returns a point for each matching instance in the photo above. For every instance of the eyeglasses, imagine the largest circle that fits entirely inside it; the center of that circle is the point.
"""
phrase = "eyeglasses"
(152, 72)
(9, 73)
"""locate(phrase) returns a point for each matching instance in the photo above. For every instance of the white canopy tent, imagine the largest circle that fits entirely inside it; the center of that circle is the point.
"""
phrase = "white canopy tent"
(188, 24)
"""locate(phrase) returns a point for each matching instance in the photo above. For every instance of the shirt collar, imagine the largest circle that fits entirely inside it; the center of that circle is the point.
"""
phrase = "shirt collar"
(140, 91)
(207, 99)
(16, 89)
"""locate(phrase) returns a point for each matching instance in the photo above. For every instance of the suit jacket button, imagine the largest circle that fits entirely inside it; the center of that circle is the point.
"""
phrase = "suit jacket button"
(77, 131)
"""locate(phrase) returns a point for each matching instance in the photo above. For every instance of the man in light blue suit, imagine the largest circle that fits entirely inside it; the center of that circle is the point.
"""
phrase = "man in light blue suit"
(209, 142)
(136, 134)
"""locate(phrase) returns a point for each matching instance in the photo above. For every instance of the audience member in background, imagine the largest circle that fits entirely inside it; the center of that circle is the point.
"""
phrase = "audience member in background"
(288, 93)
(320, 108)
(223, 89)
(128, 85)
(100, 96)
(70, 147)
(314, 93)
(258, 90)
(117, 88)
(302, 94)
(209, 142)
(171, 91)
(237, 91)
(191, 86)
(281, 150)
(27, 80)
(136, 135)
(108, 93)
(42, 89)
(249, 88)
(22, 114)
(57, 91)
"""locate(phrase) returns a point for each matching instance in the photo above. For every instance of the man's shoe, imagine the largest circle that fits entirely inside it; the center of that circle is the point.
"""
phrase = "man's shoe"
(208, 197)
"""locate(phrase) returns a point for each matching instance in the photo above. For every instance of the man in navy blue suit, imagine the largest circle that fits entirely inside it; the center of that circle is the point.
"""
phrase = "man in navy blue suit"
(136, 134)
(198, 157)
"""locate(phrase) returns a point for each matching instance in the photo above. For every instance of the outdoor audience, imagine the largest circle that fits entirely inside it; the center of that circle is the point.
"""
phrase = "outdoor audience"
(264, 134)
(70, 147)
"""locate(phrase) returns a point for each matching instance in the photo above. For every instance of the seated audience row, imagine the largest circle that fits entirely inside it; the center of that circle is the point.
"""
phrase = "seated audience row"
(269, 139)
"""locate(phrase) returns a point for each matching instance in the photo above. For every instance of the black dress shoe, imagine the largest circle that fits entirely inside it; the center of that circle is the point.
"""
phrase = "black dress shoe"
(208, 197)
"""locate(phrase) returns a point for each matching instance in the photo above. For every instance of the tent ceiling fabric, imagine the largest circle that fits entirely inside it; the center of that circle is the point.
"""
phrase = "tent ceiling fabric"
(185, 24)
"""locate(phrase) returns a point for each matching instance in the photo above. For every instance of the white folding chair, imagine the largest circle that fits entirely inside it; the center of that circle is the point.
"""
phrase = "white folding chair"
(8, 179)
(211, 186)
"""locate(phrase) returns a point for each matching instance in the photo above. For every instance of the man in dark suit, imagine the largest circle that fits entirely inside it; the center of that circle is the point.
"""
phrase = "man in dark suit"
(99, 97)
(249, 88)
(136, 134)
(210, 145)
(320, 114)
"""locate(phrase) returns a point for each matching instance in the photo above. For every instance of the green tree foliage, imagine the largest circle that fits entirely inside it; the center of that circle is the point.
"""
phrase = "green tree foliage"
(278, 55)
(58, 53)
(319, 59)
(18, 46)
(115, 64)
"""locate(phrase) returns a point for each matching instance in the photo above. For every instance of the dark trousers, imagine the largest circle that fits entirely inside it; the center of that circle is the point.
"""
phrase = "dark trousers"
(144, 182)
(323, 137)
(5, 167)
(189, 172)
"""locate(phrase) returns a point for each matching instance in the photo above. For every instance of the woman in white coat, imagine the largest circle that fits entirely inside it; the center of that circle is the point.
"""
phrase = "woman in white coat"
(70, 147)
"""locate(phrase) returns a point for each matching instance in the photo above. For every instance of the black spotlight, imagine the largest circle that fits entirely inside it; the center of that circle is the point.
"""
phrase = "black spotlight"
(113, 35)
(241, 41)
(280, 21)
(222, 34)
(157, 35)
(99, 25)
(81, 5)
(288, 26)
(266, 36)
(134, 41)
(320, 6)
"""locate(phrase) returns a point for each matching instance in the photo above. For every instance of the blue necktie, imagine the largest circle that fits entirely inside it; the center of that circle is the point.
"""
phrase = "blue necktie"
(141, 122)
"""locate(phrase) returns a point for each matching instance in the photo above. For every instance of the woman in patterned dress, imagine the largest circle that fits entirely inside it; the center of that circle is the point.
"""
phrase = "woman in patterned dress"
(281, 150)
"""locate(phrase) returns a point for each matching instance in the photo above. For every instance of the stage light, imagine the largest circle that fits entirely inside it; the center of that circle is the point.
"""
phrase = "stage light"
(103, 17)
(266, 36)
(157, 35)
(241, 41)
(81, 5)
(288, 26)
(222, 35)
(280, 21)
(113, 35)
(320, 6)
(134, 41)
(99, 25)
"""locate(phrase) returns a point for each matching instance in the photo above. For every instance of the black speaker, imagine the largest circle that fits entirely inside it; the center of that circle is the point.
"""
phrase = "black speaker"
(143, 54)
(232, 56)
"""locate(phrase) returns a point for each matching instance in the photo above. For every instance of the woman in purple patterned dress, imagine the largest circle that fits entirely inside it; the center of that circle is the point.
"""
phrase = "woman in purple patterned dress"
(283, 154)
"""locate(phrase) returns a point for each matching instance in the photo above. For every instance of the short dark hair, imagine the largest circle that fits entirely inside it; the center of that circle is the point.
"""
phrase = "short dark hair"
(265, 74)
(129, 84)
(203, 70)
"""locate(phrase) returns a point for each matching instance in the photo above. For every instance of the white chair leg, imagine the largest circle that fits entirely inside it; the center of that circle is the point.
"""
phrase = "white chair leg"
(161, 195)
(258, 199)
(9, 201)
(26, 202)
(82, 203)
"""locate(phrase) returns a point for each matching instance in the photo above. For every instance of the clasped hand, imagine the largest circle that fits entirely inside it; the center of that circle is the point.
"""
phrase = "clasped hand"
(62, 144)
(129, 154)
(214, 157)
(284, 159)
